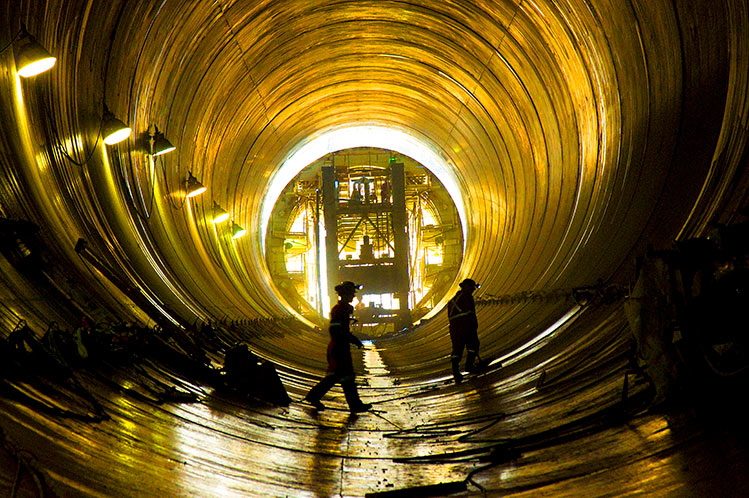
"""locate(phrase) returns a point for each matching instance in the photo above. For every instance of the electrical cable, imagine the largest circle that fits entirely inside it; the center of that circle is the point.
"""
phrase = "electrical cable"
(172, 204)
(11, 42)
(12, 392)
(131, 198)
(17, 479)
(583, 296)
(57, 145)
(149, 209)
(24, 458)
(87, 158)
(97, 279)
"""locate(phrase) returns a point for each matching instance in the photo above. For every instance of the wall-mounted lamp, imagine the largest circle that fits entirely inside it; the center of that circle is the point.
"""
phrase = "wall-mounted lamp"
(194, 187)
(113, 130)
(237, 231)
(32, 58)
(219, 215)
(159, 144)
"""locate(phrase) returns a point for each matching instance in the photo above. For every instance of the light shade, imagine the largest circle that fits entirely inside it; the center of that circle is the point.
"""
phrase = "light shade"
(194, 187)
(237, 231)
(32, 58)
(219, 215)
(113, 130)
(161, 145)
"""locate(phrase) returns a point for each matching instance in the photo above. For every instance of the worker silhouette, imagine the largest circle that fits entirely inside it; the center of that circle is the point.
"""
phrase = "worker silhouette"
(461, 313)
(385, 192)
(340, 366)
(356, 195)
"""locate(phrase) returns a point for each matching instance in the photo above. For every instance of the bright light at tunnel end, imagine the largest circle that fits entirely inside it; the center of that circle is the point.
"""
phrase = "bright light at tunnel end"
(381, 137)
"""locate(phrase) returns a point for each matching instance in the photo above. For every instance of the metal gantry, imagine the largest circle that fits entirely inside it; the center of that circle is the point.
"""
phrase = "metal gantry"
(365, 208)
(372, 217)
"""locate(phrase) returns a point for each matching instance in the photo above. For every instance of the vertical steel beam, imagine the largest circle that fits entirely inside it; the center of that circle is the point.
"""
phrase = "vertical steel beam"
(317, 251)
(400, 239)
(330, 213)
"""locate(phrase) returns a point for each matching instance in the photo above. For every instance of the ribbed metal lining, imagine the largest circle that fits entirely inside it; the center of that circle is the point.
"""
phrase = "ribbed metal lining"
(579, 132)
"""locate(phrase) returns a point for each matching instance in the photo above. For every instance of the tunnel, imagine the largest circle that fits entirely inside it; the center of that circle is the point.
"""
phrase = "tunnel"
(577, 137)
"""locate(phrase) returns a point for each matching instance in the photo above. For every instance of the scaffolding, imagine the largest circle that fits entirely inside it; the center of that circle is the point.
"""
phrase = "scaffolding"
(369, 218)
(361, 217)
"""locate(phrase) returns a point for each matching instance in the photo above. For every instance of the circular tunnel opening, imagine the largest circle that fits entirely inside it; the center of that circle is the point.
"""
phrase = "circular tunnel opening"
(351, 192)
(433, 220)
(571, 139)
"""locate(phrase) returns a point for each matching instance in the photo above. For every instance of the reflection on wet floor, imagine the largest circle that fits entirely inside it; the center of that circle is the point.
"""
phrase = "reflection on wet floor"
(375, 369)
(501, 432)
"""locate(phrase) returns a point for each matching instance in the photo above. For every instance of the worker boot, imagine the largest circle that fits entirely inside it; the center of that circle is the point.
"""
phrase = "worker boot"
(456, 370)
(355, 403)
(470, 359)
(315, 402)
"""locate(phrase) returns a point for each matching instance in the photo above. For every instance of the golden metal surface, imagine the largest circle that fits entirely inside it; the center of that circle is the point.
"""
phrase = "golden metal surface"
(579, 132)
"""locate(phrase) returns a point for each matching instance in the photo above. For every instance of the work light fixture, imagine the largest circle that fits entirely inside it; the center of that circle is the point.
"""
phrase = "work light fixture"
(113, 130)
(219, 215)
(194, 187)
(237, 231)
(158, 143)
(32, 58)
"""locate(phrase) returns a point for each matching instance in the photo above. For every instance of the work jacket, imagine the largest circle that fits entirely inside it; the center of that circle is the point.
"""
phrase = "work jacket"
(461, 312)
(339, 349)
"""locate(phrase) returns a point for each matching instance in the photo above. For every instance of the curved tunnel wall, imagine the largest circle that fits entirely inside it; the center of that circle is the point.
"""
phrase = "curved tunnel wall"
(576, 134)
(579, 132)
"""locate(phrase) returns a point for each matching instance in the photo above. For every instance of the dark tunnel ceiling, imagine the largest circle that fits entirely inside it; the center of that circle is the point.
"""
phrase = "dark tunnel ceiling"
(576, 131)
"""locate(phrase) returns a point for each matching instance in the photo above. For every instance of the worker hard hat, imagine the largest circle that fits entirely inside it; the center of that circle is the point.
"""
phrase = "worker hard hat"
(469, 284)
(347, 287)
